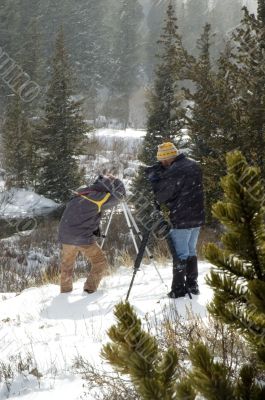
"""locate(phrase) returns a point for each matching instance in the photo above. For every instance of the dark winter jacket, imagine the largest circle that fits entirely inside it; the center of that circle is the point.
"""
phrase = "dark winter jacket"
(81, 217)
(179, 187)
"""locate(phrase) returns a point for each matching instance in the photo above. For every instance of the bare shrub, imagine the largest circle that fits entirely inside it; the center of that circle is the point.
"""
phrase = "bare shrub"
(173, 331)
(111, 385)
(33, 259)
(208, 234)
(177, 332)
(18, 365)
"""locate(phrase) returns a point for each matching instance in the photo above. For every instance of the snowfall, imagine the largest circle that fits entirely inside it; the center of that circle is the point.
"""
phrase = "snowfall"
(54, 329)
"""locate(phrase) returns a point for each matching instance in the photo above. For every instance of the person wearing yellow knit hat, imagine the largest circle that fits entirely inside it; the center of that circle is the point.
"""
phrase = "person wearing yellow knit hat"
(166, 153)
(177, 185)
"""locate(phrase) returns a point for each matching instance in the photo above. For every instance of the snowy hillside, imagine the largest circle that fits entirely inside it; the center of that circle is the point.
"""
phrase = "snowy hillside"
(52, 329)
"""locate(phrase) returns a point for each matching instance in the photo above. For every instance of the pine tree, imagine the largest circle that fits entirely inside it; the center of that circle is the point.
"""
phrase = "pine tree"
(125, 66)
(154, 22)
(200, 123)
(62, 132)
(213, 129)
(245, 78)
(93, 50)
(165, 113)
(235, 117)
(134, 352)
(16, 145)
(195, 17)
(238, 280)
(8, 33)
(212, 380)
(31, 51)
(154, 374)
(32, 62)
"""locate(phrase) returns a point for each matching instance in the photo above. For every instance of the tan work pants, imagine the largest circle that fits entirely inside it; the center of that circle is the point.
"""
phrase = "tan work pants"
(99, 266)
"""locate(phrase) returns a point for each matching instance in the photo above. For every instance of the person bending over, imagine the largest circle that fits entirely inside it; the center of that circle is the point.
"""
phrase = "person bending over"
(78, 228)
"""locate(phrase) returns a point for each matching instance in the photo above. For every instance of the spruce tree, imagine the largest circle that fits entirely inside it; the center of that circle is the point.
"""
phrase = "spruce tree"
(165, 112)
(16, 144)
(32, 61)
(154, 21)
(125, 66)
(134, 352)
(92, 51)
(200, 123)
(154, 374)
(238, 280)
(31, 52)
(9, 38)
(62, 131)
(245, 78)
(213, 129)
(195, 17)
(235, 114)
(211, 379)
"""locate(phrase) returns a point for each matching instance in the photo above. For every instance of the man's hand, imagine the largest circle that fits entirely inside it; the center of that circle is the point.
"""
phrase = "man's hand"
(110, 176)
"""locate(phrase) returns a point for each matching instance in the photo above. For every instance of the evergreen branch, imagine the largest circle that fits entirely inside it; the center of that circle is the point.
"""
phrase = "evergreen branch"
(135, 352)
(210, 378)
(185, 390)
(227, 262)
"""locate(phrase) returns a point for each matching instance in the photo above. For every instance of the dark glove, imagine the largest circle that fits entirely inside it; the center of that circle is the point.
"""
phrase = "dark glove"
(157, 206)
(97, 232)
(154, 173)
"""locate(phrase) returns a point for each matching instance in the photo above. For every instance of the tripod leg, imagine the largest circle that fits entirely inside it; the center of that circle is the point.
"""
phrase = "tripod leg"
(138, 260)
(107, 228)
(129, 226)
(150, 256)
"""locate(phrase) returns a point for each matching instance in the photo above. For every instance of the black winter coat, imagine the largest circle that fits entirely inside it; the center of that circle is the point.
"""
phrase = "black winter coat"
(179, 187)
(81, 218)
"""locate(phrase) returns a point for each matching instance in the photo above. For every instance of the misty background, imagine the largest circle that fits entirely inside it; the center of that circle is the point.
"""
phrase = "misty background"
(112, 45)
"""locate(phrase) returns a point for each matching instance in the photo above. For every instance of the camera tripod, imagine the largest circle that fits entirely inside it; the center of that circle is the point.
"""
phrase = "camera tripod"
(134, 232)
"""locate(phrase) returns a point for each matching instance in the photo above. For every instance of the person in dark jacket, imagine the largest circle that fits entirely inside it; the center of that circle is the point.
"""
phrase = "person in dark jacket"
(177, 184)
(79, 225)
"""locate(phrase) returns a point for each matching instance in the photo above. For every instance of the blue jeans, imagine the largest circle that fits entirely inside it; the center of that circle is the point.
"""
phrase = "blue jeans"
(185, 241)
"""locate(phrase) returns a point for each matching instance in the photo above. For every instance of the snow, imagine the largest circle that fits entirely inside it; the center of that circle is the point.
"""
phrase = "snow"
(21, 202)
(127, 133)
(55, 328)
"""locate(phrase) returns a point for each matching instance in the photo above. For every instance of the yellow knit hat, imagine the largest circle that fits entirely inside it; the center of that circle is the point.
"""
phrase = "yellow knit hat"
(166, 151)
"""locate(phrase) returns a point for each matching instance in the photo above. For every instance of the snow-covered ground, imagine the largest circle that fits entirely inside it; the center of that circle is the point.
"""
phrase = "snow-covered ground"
(119, 133)
(17, 203)
(55, 328)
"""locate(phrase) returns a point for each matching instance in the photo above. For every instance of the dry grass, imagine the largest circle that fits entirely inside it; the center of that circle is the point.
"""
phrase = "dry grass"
(33, 260)
(175, 331)
(112, 385)
(207, 235)
(18, 365)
